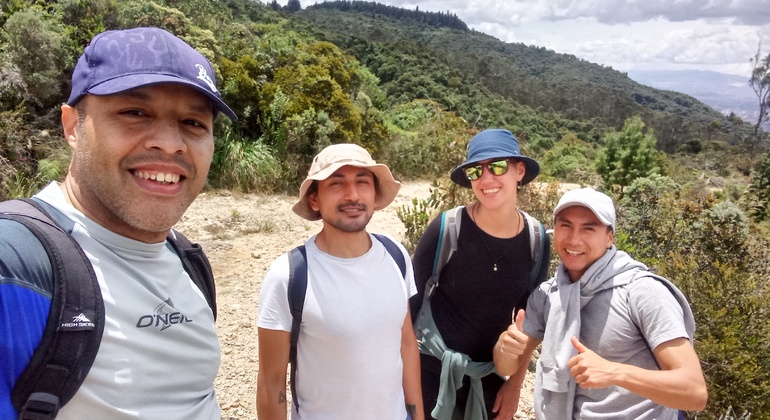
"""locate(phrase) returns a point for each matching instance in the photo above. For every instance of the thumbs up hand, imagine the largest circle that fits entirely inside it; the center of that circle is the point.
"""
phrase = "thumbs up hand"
(513, 341)
(589, 369)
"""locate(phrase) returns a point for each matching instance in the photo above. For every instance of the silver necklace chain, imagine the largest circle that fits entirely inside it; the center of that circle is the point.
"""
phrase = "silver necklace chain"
(495, 259)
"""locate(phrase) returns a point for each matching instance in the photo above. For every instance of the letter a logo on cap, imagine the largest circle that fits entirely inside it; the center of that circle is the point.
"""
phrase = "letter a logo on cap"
(205, 77)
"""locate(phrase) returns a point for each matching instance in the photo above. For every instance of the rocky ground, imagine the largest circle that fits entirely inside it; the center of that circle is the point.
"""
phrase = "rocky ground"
(242, 234)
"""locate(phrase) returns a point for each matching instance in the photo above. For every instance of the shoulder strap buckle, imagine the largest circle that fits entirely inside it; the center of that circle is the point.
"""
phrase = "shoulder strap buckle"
(40, 406)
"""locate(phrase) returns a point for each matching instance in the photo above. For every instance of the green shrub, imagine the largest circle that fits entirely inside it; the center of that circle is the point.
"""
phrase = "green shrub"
(425, 141)
(706, 248)
(244, 165)
(20, 185)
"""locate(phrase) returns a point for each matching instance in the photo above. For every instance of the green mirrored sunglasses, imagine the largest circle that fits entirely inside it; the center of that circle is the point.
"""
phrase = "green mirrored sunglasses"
(497, 168)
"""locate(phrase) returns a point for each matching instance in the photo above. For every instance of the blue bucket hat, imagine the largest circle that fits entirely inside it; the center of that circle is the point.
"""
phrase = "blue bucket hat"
(494, 144)
(117, 61)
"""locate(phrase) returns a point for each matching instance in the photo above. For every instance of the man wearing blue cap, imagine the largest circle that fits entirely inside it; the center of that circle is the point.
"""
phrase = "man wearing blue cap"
(616, 338)
(139, 122)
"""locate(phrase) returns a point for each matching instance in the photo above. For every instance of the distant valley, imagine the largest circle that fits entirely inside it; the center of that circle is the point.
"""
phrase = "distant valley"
(724, 92)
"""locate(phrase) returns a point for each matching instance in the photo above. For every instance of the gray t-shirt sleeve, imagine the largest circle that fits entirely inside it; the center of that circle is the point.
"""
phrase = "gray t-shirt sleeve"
(537, 311)
(655, 310)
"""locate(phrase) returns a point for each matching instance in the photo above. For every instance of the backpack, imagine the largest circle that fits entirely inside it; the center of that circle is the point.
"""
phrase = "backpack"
(447, 245)
(75, 322)
(296, 295)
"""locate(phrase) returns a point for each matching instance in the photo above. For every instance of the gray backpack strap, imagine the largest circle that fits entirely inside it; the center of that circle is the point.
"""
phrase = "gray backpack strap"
(447, 245)
(537, 245)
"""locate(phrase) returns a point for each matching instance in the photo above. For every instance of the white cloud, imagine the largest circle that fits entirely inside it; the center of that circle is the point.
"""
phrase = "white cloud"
(720, 35)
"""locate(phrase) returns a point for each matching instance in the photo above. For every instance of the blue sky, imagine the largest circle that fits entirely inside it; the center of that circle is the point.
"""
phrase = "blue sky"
(718, 35)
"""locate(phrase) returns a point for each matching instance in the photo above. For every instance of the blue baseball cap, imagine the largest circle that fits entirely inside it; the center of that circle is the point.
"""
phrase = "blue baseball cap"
(494, 143)
(117, 61)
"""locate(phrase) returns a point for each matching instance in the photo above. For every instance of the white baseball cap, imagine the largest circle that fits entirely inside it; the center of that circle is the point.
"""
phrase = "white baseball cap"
(599, 203)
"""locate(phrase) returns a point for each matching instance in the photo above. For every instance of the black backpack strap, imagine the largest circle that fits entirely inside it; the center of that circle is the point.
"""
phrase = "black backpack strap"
(296, 295)
(75, 322)
(197, 265)
(394, 252)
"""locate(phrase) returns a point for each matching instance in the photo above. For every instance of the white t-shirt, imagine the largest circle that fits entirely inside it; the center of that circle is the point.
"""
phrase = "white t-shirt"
(349, 350)
(159, 353)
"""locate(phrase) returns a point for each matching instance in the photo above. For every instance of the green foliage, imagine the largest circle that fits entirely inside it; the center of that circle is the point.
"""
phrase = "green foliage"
(86, 18)
(306, 135)
(20, 185)
(425, 142)
(570, 160)
(293, 6)
(705, 247)
(415, 219)
(758, 196)
(149, 13)
(627, 155)
(38, 52)
(507, 84)
(21, 149)
(440, 19)
(208, 14)
(652, 211)
(244, 165)
(320, 76)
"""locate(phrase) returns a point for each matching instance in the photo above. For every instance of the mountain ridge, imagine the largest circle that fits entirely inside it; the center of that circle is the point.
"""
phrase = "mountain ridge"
(447, 65)
(726, 93)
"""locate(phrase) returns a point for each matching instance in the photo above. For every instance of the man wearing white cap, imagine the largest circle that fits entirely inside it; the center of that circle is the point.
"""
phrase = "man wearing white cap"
(616, 339)
(357, 354)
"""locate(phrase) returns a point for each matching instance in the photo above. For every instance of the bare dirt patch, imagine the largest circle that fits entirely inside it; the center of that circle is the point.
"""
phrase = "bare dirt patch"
(242, 235)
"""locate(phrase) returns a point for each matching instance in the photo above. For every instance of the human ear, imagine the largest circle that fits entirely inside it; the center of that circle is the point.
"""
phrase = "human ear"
(312, 201)
(69, 122)
(521, 170)
(610, 237)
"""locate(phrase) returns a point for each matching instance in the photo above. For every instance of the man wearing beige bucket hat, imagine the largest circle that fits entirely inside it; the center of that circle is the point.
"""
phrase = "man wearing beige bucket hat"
(357, 354)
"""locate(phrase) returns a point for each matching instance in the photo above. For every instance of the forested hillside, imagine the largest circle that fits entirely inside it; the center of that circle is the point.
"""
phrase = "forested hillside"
(692, 186)
(492, 83)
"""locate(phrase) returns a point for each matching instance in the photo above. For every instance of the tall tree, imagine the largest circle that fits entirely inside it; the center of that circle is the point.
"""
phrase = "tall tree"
(760, 83)
(38, 54)
(759, 192)
(627, 155)
(293, 6)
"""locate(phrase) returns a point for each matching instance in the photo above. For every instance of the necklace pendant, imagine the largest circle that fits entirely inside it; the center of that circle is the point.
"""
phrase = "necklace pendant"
(495, 267)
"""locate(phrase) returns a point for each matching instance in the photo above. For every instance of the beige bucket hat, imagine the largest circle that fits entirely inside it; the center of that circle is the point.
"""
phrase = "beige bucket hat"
(335, 157)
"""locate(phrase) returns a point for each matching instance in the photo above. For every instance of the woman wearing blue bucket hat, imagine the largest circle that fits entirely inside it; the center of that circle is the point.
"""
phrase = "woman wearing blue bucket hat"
(464, 303)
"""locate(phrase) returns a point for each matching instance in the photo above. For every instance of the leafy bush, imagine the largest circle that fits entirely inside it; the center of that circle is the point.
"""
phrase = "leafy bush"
(570, 160)
(39, 52)
(425, 141)
(706, 247)
(244, 165)
(627, 155)
(758, 197)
